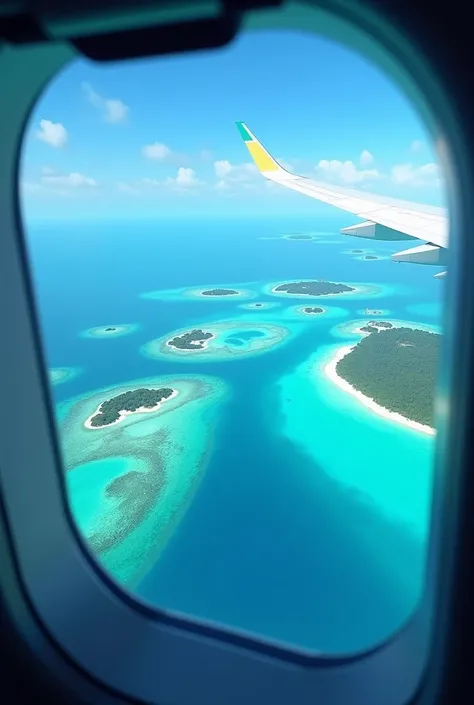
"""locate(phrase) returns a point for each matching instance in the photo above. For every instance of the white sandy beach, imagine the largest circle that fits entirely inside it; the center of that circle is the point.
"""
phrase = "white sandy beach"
(330, 371)
(313, 313)
(123, 414)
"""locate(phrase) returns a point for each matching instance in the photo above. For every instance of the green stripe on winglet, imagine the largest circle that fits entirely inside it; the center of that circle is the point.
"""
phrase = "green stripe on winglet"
(243, 132)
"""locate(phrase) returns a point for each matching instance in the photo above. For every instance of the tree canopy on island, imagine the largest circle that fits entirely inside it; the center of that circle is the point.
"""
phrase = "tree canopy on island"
(398, 369)
(313, 309)
(219, 292)
(191, 340)
(313, 288)
(129, 401)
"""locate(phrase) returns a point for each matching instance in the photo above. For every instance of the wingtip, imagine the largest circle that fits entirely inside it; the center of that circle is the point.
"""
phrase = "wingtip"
(244, 133)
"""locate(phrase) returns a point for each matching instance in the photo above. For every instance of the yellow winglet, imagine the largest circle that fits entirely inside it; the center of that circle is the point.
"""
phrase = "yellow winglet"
(259, 154)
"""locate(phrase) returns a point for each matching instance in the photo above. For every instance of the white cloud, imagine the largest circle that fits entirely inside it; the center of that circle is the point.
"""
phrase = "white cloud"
(222, 168)
(157, 151)
(185, 179)
(346, 172)
(52, 183)
(234, 174)
(366, 158)
(426, 175)
(72, 180)
(112, 109)
(53, 133)
(417, 146)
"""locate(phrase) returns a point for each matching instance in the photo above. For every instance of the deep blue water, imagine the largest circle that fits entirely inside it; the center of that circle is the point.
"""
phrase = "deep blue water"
(257, 549)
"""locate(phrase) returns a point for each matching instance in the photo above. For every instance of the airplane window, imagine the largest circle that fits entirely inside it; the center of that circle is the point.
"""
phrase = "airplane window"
(243, 362)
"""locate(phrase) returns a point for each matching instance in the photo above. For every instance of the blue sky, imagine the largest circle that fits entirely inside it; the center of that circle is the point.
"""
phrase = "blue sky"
(158, 137)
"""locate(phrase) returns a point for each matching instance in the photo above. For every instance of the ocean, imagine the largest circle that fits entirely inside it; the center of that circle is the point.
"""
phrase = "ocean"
(292, 512)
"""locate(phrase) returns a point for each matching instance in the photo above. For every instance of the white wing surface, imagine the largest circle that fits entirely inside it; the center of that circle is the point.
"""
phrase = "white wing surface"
(385, 218)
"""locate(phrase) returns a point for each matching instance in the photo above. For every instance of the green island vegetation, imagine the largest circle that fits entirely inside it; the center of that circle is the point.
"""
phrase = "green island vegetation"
(397, 369)
(357, 252)
(370, 257)
(110, 330)
(375, 326)
(299, 237)
(313, 309)
(381, 324)
(313, 288)
(192, 340)
(109, 411)
(219, 292)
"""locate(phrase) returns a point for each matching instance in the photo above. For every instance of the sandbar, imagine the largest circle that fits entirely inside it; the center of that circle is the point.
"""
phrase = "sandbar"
(59, 375)
(345, 386)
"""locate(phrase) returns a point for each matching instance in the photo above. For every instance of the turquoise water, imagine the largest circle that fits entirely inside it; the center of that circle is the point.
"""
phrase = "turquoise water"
(309, 522)
(243, 336)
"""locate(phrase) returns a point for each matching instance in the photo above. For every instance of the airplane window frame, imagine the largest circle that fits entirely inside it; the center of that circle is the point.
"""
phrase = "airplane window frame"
(132, 649)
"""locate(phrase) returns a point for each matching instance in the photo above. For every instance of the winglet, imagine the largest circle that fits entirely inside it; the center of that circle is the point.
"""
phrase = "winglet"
(259, 154)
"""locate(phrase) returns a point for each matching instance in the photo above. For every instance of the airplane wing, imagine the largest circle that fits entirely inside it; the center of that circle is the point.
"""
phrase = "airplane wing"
(385, 218)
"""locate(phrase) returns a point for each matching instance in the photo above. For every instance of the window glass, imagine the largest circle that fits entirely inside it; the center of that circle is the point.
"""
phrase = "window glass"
(244, 394)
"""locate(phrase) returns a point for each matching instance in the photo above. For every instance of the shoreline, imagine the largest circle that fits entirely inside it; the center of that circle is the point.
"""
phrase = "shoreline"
(345, 386)
(124, 413)
(313, 313)
(355, 290)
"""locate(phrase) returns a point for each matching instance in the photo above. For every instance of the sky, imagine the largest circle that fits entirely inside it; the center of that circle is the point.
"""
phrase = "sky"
(157, 137)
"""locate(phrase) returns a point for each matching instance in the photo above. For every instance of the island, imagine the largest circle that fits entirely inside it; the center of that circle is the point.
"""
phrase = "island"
(312, 288)
(395, 369)
(381, 324)
(218, 341)
(370, 257)
(260, 305)
(193, 340)
(219, 292)
(357, 252)
(117, 408)
(375, 326)
(299, 237)
(372, 312)
(115, 331)
(131, 483)
(313, 309)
